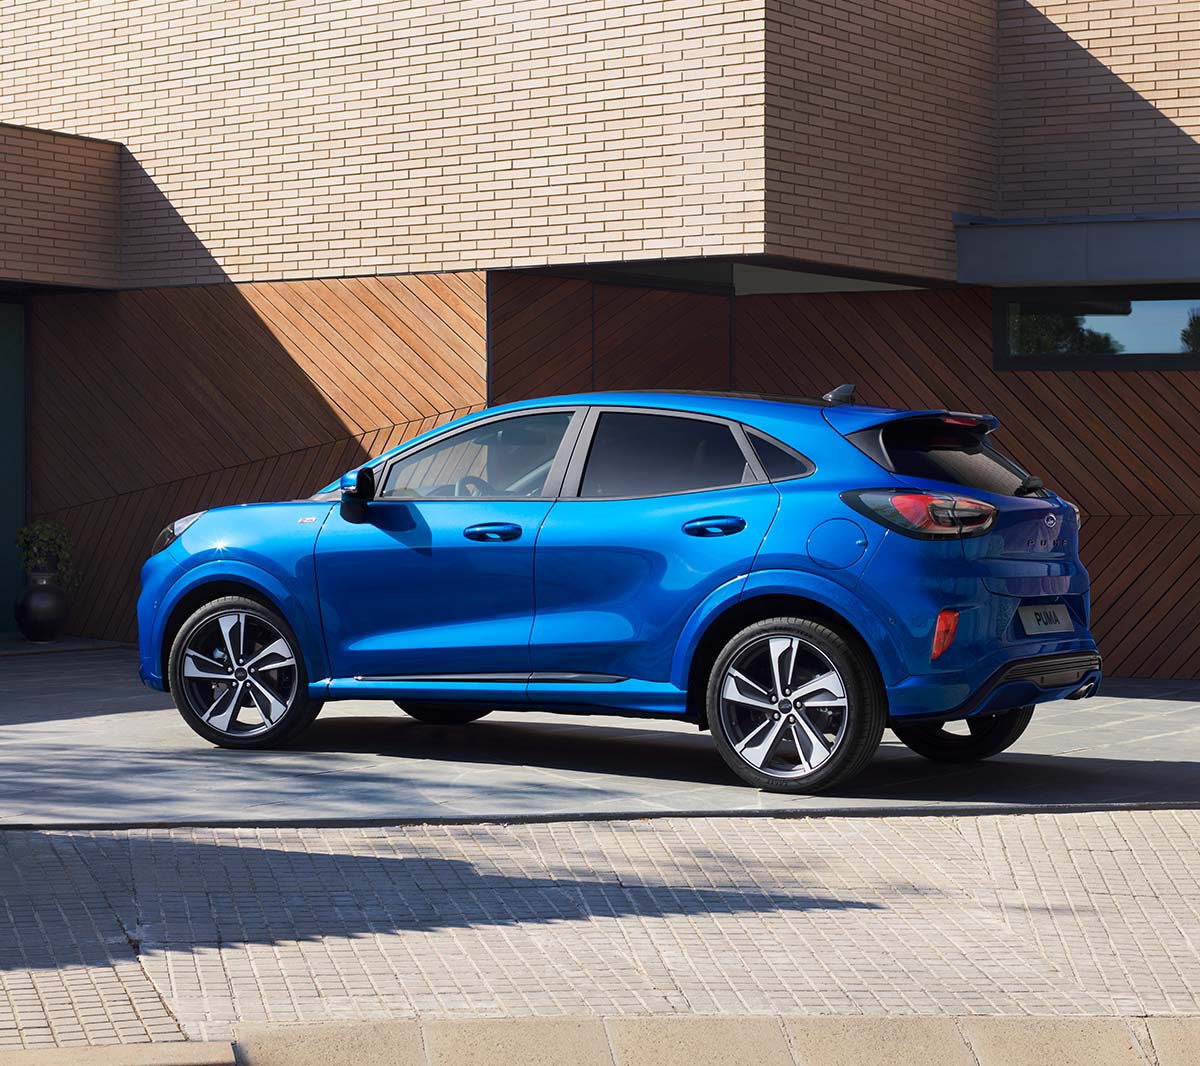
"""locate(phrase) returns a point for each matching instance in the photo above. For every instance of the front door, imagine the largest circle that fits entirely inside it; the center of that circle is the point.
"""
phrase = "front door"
(435, 576)
(668, 508)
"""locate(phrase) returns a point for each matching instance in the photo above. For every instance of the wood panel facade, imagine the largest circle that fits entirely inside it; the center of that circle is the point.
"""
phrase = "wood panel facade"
(150, 404)
(1124, 446)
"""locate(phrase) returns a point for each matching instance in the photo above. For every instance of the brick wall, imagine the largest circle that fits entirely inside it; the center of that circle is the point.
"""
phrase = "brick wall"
(880, 126)
(1100, 106)
(60, 208)
(300, 138)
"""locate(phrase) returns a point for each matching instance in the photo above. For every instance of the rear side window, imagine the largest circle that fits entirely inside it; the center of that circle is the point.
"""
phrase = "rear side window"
(778, 460)
(961, 455)
(656, 455)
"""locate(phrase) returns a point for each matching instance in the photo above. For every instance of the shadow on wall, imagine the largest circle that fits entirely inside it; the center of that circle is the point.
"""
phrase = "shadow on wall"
(149, 404)
(165, 893)
(1075, 137)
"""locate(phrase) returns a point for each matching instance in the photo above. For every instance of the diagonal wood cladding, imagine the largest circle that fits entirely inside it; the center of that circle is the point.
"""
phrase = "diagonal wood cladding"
(1124, 446)
(149, 404)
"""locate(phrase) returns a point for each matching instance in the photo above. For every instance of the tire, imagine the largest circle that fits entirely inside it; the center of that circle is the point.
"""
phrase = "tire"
(776, 745)
(236, 706)
(443, 713)
(989, 736)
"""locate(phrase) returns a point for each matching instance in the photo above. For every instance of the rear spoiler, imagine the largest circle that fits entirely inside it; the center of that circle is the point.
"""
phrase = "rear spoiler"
(852, 418)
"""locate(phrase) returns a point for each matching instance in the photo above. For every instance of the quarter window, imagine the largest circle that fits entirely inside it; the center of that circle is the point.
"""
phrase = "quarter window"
(656, 455)
(510, 457)
(778, 460)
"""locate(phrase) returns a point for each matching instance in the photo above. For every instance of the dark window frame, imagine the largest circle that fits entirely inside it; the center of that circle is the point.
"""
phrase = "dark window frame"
(1003, 359)
(573, 481)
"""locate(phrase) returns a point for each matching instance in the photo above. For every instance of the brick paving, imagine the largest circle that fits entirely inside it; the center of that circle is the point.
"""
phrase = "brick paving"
(126, 936)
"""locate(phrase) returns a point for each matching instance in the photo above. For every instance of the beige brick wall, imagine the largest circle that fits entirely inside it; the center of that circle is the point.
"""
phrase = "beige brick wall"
(1100, 105)
(304, 138)
(880, 126)
(59, 208)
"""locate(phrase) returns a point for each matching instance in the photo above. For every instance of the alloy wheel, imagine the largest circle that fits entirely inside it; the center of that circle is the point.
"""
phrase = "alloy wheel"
(239, 673)
(783, 706)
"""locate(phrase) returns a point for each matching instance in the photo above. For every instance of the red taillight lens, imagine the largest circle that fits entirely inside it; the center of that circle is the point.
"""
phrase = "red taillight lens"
(943, 633)
(924, 514)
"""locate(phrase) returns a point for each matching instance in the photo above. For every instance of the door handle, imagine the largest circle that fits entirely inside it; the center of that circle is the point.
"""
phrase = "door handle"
(719, 525)
(492, 531)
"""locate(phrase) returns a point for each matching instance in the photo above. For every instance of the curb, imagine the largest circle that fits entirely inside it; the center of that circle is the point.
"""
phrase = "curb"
(749, 1040)
(949, 810)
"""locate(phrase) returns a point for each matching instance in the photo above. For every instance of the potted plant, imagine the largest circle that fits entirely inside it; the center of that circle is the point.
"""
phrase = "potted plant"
(41, 612)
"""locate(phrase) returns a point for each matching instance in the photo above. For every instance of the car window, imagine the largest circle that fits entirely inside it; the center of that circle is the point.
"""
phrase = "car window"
(961, 455)
(778, 460)
(510, 457)
(655, 455)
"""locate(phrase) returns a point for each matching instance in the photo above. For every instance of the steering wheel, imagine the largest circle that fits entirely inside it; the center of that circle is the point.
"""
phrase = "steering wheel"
(472, 486)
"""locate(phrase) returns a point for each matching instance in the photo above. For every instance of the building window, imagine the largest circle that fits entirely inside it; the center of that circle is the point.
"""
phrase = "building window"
(1098, 329)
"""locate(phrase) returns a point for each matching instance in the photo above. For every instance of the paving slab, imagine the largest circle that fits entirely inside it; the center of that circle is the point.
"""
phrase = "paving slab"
(1061, 1041)
(332, 1044)
(521, 1042)
(877, 1041)
(698, 1042)
(1175, 1041)
(83, 742)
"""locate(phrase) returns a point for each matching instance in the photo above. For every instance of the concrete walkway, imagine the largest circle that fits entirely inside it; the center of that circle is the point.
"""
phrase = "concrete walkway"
(141, 936)
(99, 748)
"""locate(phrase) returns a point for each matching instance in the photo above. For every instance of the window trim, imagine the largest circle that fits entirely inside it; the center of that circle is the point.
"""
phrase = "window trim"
(583, 449)
(1004, 360)
(554, 478)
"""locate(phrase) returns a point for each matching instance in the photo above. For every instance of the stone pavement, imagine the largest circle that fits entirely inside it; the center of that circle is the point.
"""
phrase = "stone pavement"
(166, 934)
(81, 741)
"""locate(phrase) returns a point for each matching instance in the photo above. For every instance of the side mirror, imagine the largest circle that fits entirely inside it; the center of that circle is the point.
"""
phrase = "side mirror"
(359, 485)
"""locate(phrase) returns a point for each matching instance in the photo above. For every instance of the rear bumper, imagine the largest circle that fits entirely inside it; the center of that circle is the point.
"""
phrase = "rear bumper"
(1072, 674)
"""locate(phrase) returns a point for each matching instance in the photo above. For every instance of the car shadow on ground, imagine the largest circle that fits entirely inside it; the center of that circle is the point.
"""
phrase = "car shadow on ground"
(689, 759)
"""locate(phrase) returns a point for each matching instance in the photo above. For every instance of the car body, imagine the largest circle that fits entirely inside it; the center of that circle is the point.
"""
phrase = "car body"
(618, 544)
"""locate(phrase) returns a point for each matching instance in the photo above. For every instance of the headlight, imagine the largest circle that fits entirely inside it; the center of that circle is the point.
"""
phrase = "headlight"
(174, 530)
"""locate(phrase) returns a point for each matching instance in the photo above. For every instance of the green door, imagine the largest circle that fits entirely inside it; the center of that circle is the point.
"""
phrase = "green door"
(12, 455)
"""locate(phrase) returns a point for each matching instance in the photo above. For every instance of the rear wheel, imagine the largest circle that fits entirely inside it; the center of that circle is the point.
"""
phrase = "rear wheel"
(984, 737)
(794, 706)
(237, 675)
(443, 713)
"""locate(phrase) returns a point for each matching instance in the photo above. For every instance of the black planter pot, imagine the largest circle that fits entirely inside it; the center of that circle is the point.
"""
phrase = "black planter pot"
(41, 611)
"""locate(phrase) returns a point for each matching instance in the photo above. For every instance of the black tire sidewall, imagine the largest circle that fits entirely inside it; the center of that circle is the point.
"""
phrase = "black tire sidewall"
(299, 715)
(931, 742)
(866, 705)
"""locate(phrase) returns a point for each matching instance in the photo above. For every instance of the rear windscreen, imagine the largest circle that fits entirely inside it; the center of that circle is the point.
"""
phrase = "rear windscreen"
(961, 455)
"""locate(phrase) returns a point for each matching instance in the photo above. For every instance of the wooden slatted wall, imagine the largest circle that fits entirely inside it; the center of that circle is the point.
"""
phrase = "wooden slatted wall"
(147, 405)
(1124, 446)
(558, 335)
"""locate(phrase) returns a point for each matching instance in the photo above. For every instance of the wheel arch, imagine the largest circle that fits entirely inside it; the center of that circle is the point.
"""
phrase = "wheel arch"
(737, 616)
(197, 588)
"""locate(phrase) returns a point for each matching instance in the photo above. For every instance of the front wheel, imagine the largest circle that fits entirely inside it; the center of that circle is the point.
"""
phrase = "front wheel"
(237, 676)
(795, 706)
(984, 737)
(443, 713)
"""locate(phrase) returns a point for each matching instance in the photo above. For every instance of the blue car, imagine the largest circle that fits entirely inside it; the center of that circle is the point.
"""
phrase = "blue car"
(794, 576)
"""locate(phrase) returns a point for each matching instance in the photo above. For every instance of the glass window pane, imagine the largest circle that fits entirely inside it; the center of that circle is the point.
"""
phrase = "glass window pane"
(937, 452)
(1104, 326)
(779, 461)
(511, 457)
(655, 455)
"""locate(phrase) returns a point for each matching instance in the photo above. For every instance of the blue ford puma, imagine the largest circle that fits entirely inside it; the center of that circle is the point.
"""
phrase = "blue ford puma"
(792, 575)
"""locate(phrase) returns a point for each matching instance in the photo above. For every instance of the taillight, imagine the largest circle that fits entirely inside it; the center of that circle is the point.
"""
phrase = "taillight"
(943, 632)
(925, 515)
(1078, 513)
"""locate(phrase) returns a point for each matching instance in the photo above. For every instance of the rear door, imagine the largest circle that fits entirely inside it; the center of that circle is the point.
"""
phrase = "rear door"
(658, 509)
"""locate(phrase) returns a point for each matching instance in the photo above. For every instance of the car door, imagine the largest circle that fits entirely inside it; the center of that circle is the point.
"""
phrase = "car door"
(658, 509)
(435, 575)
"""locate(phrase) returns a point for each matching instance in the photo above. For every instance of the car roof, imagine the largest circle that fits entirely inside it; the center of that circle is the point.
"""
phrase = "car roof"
(734, 405)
